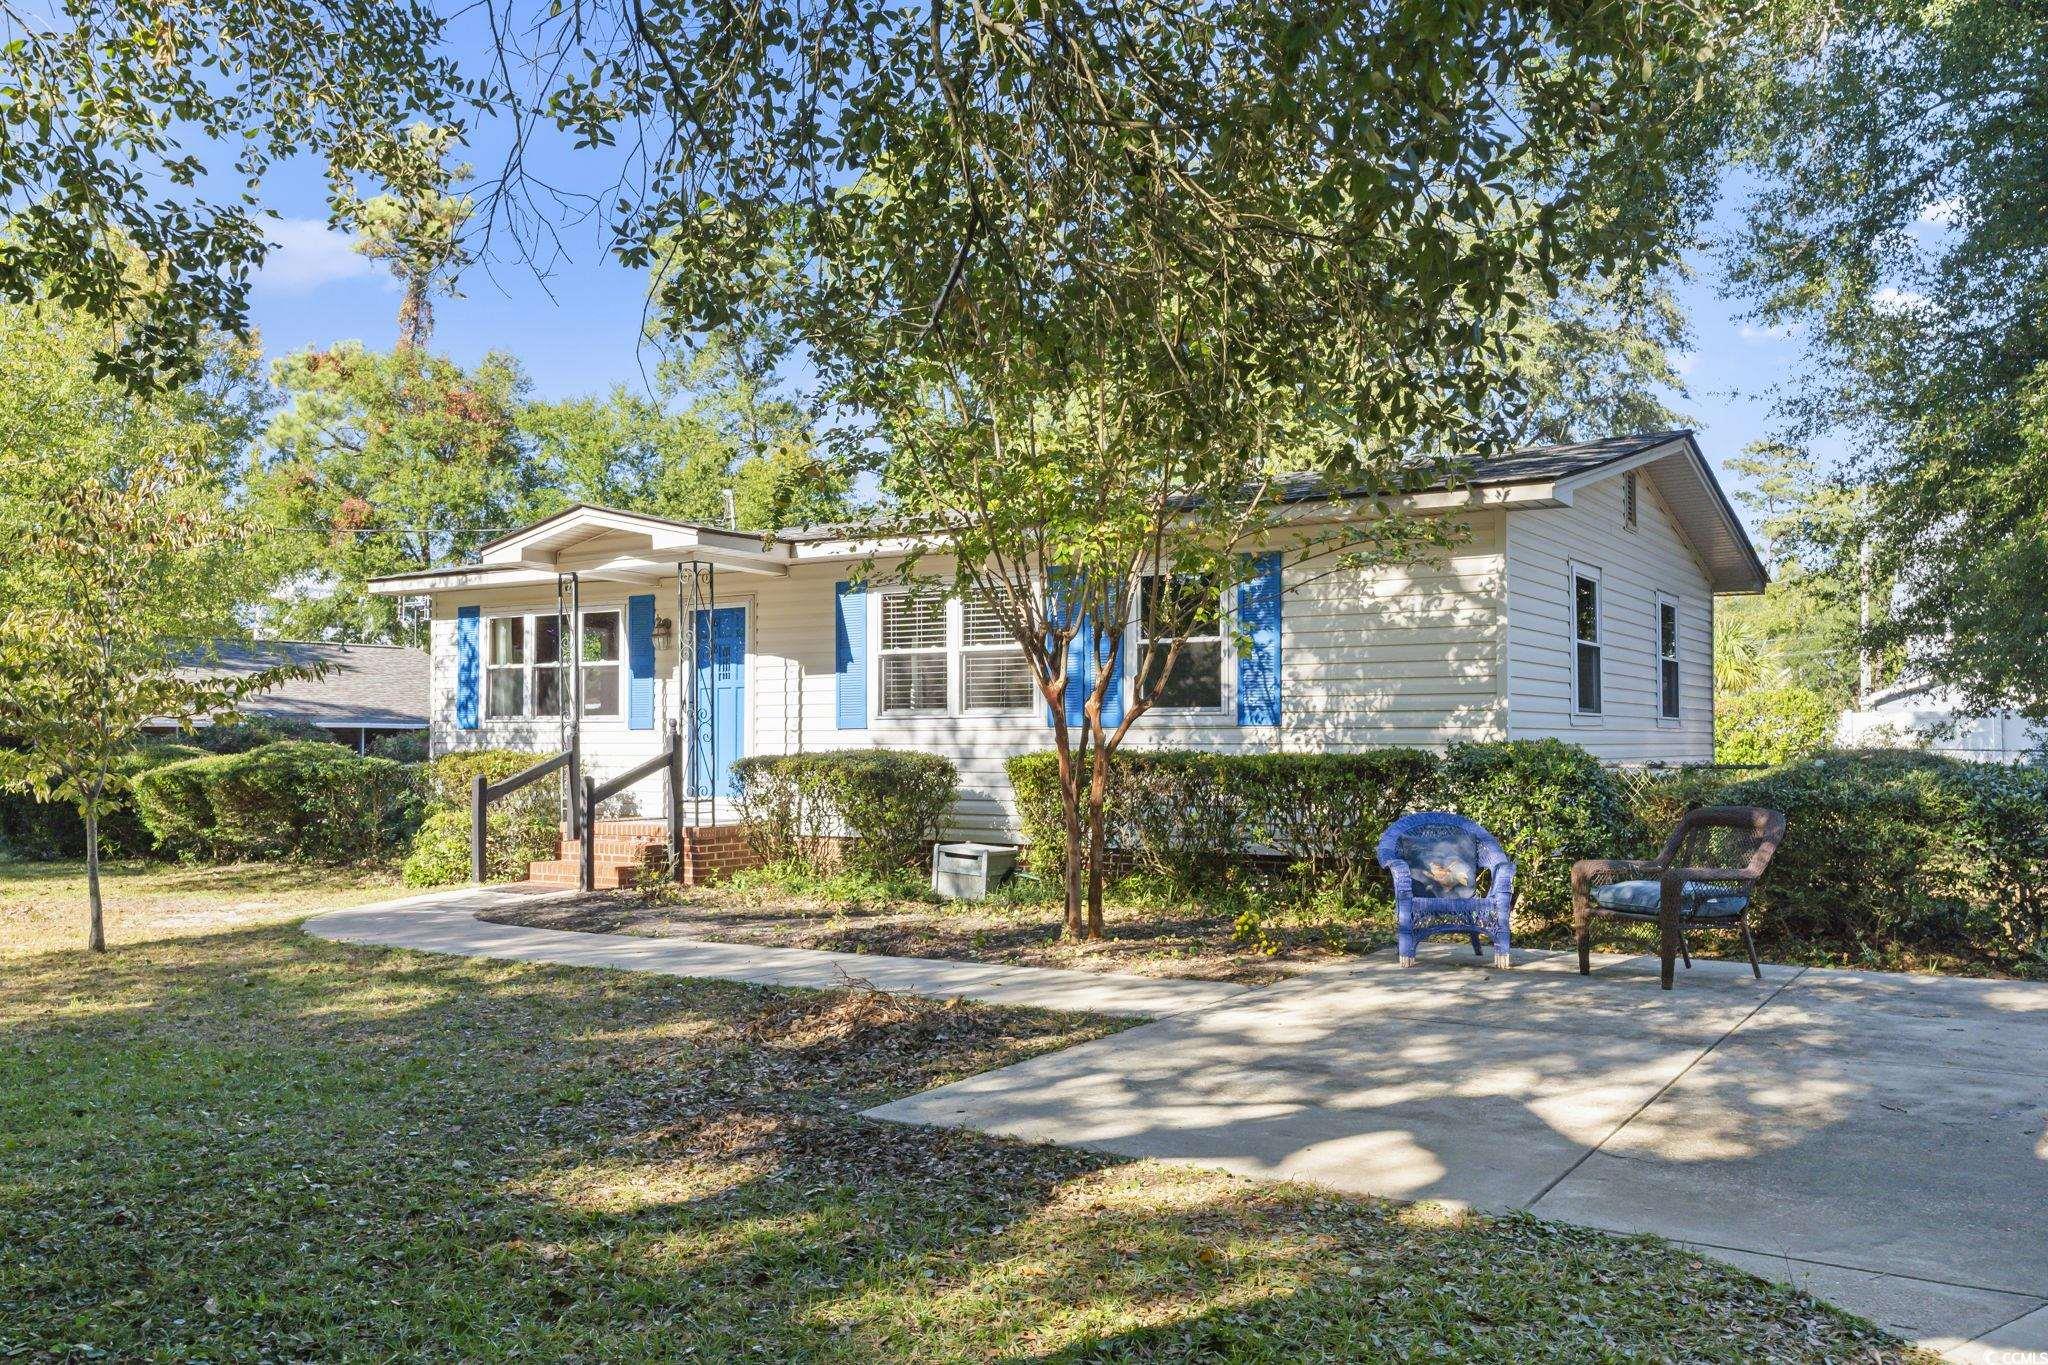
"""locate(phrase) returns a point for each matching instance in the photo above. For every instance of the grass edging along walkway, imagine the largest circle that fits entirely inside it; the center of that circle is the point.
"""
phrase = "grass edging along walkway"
(257, 1142)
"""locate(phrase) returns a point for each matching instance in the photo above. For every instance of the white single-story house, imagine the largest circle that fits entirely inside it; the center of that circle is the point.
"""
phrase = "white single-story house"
(1581, 606)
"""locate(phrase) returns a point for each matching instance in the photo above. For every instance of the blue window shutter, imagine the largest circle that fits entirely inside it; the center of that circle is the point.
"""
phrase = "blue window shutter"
(1058, 605)
(468, 666)
(640, 662)
(1258, 612)
(850, 654)
(1113, 699)
(1079, 675)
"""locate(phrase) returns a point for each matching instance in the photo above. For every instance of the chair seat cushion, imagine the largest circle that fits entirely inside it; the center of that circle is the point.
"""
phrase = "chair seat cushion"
(1443, 862)
(1703, 900)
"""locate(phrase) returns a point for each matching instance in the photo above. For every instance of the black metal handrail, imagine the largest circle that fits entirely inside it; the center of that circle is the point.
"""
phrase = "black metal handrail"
(482, 793)
(670, 759)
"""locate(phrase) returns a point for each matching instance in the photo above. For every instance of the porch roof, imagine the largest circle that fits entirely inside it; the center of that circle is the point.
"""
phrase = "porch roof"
(598, 544)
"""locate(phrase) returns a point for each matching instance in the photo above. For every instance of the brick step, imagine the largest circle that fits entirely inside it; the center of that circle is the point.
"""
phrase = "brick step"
(564, 872)
(616, 848)
(628, 829)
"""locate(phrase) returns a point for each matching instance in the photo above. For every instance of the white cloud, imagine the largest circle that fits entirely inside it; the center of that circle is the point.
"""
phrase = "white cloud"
(1944, 212)
(1897, 302)
(1777, 332)
(1685, 362)
(306, 254)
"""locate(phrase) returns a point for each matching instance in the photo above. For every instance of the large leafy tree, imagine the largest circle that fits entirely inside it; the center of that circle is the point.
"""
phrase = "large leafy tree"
(1097, 290)
(1901, 227)
(1600, 359)
(123, 556)
(720, 420)
(1788, 661)
(379, 463)
(116, 117)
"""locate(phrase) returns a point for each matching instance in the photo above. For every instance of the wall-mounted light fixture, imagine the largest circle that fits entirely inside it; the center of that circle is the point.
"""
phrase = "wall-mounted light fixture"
(664, 632)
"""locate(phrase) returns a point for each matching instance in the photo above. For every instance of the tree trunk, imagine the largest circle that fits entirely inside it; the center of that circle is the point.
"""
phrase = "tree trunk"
(1070, 814)
(1098, 792)
(96, 939)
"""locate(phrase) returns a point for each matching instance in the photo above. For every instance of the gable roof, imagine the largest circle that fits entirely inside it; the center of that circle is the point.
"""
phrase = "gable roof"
(1537, 476)
(379, 686)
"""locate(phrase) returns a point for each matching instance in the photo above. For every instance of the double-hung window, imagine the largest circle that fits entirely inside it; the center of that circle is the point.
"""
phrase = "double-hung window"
(1586, 647)
(602, 650)
(506, 671)
(523, 667)
(1667, 658)
(1187, 607)
(916, 663)
(994, 674)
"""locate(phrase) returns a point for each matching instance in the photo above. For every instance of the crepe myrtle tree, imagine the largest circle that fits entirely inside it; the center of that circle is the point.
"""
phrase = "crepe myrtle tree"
(1094, 289)
(116, 574)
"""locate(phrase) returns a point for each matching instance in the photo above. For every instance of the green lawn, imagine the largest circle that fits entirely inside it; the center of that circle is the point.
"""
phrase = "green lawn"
(251, 1144)
(43, 905)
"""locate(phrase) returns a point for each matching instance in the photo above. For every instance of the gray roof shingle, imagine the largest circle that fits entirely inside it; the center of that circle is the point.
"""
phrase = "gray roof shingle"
(380, 686)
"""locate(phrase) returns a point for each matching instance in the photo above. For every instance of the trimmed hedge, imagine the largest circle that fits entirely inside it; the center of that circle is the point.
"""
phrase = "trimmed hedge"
(524, 827)
(1185, 816)
(1897, 847)
(1550, 804)
(292, 800)
(870, 810)
(54, 829)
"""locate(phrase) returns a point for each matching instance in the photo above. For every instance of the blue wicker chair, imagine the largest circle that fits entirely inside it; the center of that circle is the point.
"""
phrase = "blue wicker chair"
(1437, 859)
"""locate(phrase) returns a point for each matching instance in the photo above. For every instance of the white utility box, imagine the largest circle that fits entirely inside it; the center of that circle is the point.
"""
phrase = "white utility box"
(968, 872)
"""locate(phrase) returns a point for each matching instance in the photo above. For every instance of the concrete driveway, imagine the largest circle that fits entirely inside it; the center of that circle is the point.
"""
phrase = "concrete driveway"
(1879, 1139)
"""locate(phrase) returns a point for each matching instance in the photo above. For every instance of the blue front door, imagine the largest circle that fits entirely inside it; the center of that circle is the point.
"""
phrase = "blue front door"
(720, 695)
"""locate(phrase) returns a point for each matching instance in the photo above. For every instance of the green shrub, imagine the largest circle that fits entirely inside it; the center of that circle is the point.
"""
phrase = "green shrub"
(523, 828)
(1772, 725)
(446, 782)
(1549, 803)
(1657, 797)
(54, 829)
(405, 746)
(1181, 816)
(1035, 785)
(440, 851)
(1869, 851)
(253, 732)
(2001, 843)
(1324, 812)
(292, 799)
(878, 808)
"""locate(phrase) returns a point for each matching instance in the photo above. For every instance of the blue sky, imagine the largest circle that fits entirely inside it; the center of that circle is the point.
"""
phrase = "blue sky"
(577, 330)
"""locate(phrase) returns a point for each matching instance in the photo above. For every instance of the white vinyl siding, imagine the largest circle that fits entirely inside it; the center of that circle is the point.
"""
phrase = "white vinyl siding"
(1475, 645)
(1542, 544)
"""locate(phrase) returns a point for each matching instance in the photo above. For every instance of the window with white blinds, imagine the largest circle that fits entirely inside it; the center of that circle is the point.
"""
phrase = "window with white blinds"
(994, 674)
(916, 676)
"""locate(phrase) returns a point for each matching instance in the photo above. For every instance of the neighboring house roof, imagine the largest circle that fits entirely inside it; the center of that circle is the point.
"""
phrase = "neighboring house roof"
(374, 686)
(1537, 476)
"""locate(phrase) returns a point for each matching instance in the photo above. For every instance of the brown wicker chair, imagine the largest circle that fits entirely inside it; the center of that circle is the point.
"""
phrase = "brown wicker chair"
(1705, 876)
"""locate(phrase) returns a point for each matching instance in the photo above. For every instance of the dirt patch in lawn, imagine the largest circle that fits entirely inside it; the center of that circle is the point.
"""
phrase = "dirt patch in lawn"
(1189, 940)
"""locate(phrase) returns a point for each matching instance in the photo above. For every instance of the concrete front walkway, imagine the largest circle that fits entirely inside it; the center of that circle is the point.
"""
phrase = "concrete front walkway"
(446, 922)
(1881, 1140)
